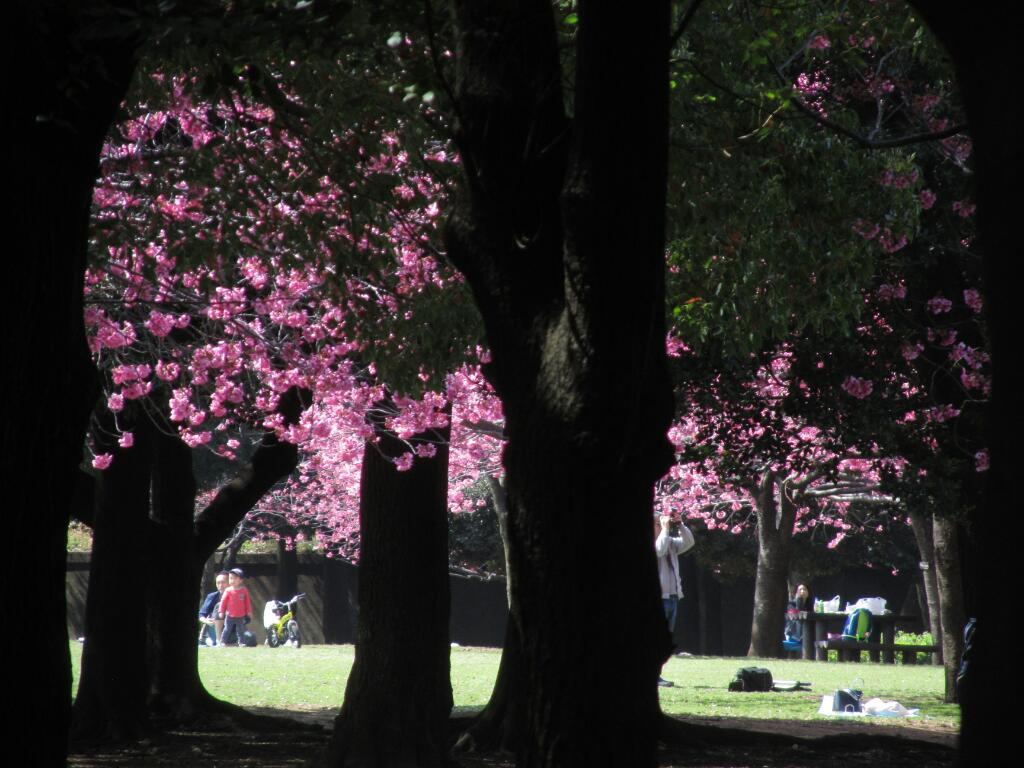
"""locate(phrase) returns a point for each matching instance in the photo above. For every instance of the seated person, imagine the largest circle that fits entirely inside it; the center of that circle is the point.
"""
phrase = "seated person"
(801, 601)
(209, 616)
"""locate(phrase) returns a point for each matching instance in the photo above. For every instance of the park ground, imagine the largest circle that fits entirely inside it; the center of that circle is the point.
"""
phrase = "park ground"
(715, 727)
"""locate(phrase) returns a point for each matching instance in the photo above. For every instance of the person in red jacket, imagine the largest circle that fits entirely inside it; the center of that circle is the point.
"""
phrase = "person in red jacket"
(236, 607)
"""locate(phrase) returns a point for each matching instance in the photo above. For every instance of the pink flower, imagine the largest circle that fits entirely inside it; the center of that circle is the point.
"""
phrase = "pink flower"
(973, 299)
(426, 450)
(927, 198)
(127, 440)
(859, 388)
(819, 43)
(964, 208)
(911, 351)
(404, 462)
(167, 371)
(981, 460)
(115, 402)
(938, 305)
(102, 461)
(887, 292)
(866, 229)
(160, 324)
(889, 242)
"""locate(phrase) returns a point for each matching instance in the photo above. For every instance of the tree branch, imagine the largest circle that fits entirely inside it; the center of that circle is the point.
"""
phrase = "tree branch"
(684, 22)
(272, 461)
(863, 141)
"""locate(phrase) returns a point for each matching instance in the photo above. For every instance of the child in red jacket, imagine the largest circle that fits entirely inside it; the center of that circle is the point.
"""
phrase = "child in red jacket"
(236, 607)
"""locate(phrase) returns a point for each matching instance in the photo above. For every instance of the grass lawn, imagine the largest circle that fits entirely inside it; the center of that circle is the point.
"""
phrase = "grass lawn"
(313, 678)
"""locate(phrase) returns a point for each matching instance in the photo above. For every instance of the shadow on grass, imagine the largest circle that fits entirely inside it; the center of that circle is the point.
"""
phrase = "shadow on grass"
(291, 738)
(809, 744)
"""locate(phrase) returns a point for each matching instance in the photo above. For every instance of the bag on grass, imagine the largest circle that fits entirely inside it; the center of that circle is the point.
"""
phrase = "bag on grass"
(248, 639)
(846, 700)
(858, 625)
(749, 679)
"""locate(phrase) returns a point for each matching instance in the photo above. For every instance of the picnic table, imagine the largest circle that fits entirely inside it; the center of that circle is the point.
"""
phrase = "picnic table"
(881, 645)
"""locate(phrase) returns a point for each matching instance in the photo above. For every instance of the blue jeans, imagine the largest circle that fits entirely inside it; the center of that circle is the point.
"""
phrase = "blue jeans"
(671, 606)
(209, 631)
(233, 628)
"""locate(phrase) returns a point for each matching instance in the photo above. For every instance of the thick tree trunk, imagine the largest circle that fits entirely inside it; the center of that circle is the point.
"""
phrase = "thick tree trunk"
(287, 571)
(921, 524)
(949, 580)
(399, 696)
(175, 690)
(776, 514)
(986, 74)
(111, 700)
(157, 554)
(550, 211)
(60, 99)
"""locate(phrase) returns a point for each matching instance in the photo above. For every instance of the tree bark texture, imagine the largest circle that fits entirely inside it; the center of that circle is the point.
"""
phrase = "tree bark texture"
(990, 88)
(111, 699)
(560, 233)
(61, 92)
(776, 516)
(949, 581)
(399, 697)
(174, 575)
(149, 548)
(921, 524)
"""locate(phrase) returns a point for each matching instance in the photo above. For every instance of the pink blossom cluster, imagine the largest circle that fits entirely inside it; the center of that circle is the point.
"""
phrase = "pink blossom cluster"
(897, 180)
(857, 387)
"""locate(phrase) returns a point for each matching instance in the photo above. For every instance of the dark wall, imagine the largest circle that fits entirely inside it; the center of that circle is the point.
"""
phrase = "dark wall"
(328, 613)
(714, 616)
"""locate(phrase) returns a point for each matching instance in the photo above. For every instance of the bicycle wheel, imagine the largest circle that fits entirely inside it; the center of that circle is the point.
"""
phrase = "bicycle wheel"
(293, 633)
(273, 639)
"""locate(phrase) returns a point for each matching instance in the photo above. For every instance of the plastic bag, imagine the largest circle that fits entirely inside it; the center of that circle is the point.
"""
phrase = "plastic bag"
(830, 606)
(874, 604)
(881, 708)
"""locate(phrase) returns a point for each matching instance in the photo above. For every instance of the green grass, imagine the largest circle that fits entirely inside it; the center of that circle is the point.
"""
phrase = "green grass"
(313, 678)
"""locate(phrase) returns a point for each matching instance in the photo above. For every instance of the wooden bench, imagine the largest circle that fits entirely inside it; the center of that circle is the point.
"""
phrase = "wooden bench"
(849, 650)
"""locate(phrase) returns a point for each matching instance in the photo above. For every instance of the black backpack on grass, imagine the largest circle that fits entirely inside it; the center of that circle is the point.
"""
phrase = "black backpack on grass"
(752, 679)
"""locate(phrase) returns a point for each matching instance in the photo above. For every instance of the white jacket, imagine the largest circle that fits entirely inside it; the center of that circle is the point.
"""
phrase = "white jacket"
(668, 548)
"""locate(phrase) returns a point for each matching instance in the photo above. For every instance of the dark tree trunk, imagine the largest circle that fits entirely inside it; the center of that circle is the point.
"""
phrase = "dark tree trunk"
(111, 700)
(949, 581)
(921, 524)
(501, 723)
(776, 515)
(560, 233)
(287, 571)
(399, 695)
(154, 547)
(175, 690)
(991, 91)
(59, 102)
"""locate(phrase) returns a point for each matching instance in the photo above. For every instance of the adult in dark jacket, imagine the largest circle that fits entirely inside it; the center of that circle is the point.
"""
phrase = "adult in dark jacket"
(211, 620)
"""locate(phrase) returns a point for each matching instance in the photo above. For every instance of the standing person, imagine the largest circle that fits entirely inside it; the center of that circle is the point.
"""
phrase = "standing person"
(236, 606)
(668, 545)
(209, 613)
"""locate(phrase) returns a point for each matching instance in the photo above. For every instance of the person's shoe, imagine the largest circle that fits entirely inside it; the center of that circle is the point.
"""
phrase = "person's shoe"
(665, 683)
(682, 655)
